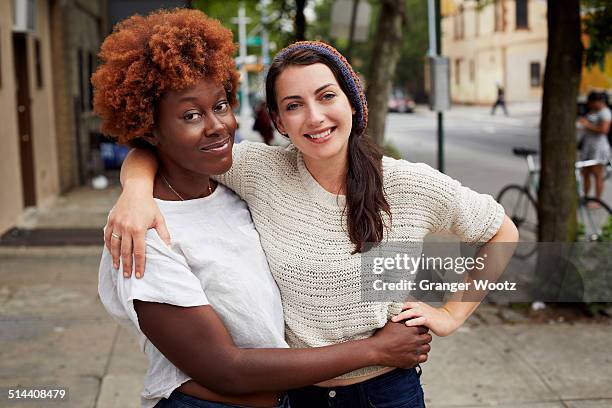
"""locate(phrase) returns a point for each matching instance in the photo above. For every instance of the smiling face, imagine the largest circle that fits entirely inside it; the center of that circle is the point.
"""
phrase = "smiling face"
(314, 111)
(195, 130)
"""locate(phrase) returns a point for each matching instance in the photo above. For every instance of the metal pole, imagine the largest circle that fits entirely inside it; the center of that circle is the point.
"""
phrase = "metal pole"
(349, 50)
(438, 37)
(245, 108)
(431, 19)
(265, 42)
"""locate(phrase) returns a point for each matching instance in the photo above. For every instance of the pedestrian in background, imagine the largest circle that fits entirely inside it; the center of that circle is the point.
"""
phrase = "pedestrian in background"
(263, 124)
(500, 101)
(595, 144)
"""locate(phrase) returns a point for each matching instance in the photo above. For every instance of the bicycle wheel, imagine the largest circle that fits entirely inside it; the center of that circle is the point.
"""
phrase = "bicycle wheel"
(522, 210)
(593, 214)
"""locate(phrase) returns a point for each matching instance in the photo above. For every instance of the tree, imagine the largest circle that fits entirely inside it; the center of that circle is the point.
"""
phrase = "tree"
(361, 51)
(280, 12)
(300, 20)
(598, 26)
(410, 71)
(385, 54)
(557, 192)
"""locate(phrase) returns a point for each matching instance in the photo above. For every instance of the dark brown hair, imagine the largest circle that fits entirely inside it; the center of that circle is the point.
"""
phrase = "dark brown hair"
(365, 198)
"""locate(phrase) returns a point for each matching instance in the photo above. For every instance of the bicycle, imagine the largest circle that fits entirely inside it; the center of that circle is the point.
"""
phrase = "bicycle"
(520, 203)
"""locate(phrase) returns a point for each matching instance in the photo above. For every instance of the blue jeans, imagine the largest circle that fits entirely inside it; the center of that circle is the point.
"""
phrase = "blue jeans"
(180, 400)
(395, 389)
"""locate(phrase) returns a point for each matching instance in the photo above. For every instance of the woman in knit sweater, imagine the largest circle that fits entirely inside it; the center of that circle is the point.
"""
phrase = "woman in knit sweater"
(316, 204)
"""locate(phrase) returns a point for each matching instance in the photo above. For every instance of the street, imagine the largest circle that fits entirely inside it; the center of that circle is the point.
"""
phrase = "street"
(478, 146)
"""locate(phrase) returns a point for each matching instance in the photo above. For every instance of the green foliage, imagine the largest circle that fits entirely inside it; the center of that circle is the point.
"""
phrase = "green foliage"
(320, 30)
(606, 232)
(390, 150)
(598, 26)
(410, 71)
(279, 12)
(409, 74)
(481, 4)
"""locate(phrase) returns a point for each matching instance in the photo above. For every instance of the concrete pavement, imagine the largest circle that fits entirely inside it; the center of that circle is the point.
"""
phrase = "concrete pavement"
(55, 332)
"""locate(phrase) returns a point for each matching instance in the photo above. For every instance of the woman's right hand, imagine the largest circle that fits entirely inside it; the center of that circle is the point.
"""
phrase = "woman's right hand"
(124, 234)
(402, 348)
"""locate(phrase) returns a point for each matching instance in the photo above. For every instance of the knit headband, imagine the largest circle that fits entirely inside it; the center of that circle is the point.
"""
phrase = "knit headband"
(355, 90)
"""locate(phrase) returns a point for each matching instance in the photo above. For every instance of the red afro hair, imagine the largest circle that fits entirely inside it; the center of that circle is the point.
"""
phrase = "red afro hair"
(147, 56)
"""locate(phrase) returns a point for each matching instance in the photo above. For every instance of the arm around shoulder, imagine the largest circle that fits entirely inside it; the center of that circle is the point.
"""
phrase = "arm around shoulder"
(134, 213)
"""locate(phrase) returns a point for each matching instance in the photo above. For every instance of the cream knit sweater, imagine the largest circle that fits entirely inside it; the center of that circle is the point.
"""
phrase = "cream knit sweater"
(303, 233)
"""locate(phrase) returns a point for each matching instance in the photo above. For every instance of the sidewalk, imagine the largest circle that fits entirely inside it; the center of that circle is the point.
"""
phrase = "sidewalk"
(54, 332)
(524, 114)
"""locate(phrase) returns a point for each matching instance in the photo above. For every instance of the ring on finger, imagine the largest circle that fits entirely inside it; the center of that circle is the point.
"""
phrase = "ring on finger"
(116, 236)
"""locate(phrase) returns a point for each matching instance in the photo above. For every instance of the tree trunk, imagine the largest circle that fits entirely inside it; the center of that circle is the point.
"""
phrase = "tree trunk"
(300, 20)
(557, 192)
(385, 55)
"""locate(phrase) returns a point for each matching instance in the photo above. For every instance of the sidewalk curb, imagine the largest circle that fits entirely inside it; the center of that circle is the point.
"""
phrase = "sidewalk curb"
(55, 251)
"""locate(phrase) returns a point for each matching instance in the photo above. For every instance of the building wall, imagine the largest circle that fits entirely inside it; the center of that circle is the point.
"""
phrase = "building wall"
(485, 57)
(11, 196)
(43, 119)
(518, 62)
(64, 113)
(488, 72)
(77, 30)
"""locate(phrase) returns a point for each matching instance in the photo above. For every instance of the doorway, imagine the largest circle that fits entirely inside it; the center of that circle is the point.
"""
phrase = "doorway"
(24, 119)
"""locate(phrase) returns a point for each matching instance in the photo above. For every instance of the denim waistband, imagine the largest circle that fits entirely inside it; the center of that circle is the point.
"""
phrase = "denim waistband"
(181, 400)
(394, 388)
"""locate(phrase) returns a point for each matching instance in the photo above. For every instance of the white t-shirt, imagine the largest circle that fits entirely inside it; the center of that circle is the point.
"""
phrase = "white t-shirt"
(216, 258)
(597, 118)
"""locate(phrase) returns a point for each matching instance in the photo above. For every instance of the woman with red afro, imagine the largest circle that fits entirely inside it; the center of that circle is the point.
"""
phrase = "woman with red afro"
(208, 314)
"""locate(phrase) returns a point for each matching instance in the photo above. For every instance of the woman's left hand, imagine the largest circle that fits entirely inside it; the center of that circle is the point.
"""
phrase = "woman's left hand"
(439, 320)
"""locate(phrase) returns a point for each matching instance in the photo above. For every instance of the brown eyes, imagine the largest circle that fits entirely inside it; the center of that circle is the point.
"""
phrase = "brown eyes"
(194, 115)
(222, 107)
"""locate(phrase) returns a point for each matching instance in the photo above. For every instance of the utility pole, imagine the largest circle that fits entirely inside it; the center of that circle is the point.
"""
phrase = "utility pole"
(349, 50)
(435, 59)
(440, 113)
(265, 41)
(245, 108)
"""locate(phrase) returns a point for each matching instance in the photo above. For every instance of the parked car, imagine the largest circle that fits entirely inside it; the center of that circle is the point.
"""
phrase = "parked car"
(400, 102)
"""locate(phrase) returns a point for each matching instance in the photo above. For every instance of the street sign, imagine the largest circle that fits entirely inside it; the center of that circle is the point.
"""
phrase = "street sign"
(254, 41)
(439, 76)
(249, 59)
(254, 67)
